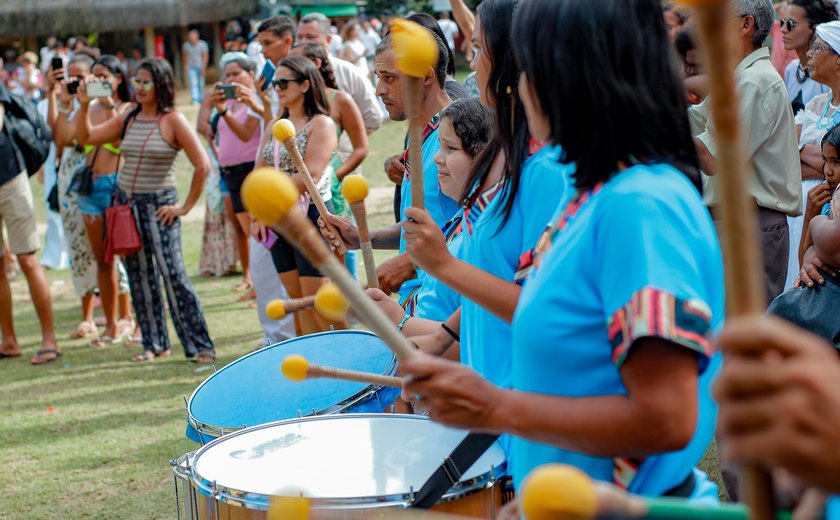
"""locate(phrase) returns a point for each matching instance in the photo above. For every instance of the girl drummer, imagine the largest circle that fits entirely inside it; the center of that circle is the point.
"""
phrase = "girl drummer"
(611, 358)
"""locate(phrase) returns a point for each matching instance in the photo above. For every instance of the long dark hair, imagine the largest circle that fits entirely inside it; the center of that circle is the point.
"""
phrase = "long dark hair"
(603, 74)
(511, 134)
(817, 11)
(315, 99)
(429, 22)
(112, 63)
(473, 123)
(314, 51)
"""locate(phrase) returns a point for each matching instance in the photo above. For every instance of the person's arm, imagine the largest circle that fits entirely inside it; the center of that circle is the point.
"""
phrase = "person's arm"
(202, 123)
(826, 236)
(818, 196)
(187, 140)
(811, 161)
(464, 18)
(64, 131)
(657, 414)
(185, 61)
(362, 93)
(427, 246)
(243, 130)
(383, 238)
(412, 326)
(354, 125)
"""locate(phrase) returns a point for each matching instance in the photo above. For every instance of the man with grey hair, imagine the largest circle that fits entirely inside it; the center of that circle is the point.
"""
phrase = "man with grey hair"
(769, 135)
(315, 28)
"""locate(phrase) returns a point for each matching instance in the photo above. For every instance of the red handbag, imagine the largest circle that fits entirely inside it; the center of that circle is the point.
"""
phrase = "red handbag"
(121, 235)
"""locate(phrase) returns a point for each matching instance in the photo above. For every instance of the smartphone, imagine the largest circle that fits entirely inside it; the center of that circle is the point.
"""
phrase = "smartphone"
(99, 89)
(270, 239)
(268, 73)
(73, 87)
(229, 91)
(57, 64)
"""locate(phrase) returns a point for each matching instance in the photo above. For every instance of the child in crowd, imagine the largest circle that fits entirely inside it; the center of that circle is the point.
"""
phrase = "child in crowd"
(812, 305)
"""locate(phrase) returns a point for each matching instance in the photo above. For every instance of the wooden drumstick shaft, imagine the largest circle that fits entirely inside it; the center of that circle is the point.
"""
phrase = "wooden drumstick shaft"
(740, 241)
(414, 89)
(360, 214)
(298, 230)
(296, 304)
(300, 164)
(353, 375)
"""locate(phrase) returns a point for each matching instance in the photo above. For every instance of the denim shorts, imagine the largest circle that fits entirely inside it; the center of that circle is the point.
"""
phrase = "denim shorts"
(101, 197)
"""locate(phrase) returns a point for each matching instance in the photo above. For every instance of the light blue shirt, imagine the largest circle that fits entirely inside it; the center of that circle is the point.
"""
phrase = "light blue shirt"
(435, 300)
(544, 183)
(638, 258)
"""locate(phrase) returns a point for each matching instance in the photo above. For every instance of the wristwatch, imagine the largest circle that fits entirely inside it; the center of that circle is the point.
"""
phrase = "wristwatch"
(223, 114)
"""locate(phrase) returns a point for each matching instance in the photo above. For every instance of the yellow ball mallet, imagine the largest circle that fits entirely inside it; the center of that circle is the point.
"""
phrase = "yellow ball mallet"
(296, 368)
(563, 492)
(328, 302)
(355, 191)
(271, 197)
(285, 132)
(416, 52)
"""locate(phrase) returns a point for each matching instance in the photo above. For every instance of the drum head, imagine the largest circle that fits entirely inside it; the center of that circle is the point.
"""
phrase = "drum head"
(252, 390)
(353, 460)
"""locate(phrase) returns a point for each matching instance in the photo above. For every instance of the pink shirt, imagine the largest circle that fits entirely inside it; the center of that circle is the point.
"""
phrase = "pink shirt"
(231, 149)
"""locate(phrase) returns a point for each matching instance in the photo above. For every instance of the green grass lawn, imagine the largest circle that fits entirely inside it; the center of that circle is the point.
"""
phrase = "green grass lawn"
(91, 435)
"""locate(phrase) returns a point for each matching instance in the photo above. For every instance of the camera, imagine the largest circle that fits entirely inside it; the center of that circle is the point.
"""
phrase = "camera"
(73, 87)
(228, 90)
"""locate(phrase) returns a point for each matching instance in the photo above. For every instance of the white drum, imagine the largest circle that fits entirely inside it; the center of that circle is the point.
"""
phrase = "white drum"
(342, 462)
(184, 496)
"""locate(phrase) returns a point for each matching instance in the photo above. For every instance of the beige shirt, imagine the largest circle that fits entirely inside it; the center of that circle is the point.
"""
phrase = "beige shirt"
(771, 145)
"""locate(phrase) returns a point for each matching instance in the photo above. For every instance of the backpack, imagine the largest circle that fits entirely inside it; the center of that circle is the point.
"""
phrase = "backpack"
(28, 132)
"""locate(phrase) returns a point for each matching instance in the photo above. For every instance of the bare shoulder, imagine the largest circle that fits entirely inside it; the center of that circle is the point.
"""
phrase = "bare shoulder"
(322, 123)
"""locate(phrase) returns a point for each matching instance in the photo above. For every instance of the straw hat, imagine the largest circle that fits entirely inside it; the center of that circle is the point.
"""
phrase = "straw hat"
(30, 57)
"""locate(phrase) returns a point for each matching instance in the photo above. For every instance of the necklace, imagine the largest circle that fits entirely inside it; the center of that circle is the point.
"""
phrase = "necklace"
(802, 74)
(824, 123)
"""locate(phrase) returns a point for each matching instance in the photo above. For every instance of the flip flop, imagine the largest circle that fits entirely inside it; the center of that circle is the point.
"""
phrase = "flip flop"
(147, 355)
(46, 351)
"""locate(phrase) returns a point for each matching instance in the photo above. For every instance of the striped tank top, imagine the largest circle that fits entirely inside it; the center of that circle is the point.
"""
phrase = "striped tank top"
(149, 159)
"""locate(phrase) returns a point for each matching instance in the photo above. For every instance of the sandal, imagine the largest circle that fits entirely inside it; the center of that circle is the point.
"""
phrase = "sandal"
(248, 296)
(85, 329)
(204, 357)
(43, 352)
(104, 341)
(147, 355)
(244, 285)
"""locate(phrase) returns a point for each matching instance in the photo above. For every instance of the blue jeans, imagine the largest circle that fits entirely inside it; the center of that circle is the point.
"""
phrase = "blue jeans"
(196, 82)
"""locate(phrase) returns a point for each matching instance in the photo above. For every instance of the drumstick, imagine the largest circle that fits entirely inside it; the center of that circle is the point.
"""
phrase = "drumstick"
(297, 368)
(355, 191)
(562, 492)
(284, 131)
(745, 294)
(271, 198)
(416, 52)
(327, 301)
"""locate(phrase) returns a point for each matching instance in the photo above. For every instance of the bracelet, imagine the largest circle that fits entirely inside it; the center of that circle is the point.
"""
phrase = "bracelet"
(450, 332)
(223, 114)
(112, 106)
(402, 322)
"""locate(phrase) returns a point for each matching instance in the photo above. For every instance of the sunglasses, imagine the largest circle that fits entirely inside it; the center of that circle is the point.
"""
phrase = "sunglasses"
(790, 23)
(146, 85)
(283, 83)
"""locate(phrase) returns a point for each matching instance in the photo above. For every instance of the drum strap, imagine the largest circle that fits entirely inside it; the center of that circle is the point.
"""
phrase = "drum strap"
(450, 472)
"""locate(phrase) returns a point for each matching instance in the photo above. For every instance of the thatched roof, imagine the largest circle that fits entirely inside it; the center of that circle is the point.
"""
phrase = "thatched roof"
(20, 18)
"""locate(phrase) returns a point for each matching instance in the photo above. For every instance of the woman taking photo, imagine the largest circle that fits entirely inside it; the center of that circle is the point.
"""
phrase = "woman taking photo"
(152, 135)
(303, 100)
(611, 356)
(105, 163)
(238, 139)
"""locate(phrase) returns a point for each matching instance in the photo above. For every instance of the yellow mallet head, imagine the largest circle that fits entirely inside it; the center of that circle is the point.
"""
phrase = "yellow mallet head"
(269, 194)
(283, 129)
(295, 367)
(289, 504)
(275, 310)
(558, 492)
(414, 48)
(331, 303)
(354, 188)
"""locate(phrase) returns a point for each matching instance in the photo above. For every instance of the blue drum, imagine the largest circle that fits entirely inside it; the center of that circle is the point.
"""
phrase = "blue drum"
(252, 391)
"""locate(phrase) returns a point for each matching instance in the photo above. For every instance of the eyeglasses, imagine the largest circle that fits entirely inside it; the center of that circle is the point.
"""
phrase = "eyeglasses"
(790, 23)
(818, 47)
(146, 85)
(283, 83)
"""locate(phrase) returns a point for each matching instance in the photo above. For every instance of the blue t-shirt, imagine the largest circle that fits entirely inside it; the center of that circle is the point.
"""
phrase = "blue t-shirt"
(544, 183)
(435, 300)
(439, 206)
(636, 257)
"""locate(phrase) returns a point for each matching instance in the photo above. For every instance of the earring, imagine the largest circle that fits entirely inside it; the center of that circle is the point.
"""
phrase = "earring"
(509, 90)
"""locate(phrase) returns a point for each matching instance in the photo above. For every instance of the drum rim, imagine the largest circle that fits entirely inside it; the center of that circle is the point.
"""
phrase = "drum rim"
(259, 502)
(215, 431)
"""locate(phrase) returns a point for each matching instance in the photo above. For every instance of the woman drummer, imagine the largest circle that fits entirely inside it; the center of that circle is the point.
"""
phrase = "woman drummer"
(610, 351)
